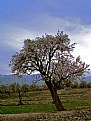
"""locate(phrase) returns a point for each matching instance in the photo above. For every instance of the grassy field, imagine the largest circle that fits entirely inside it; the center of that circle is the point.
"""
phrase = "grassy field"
(41, 101)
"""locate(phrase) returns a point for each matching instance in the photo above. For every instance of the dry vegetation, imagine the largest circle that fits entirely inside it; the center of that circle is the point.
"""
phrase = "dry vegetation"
(43, 97)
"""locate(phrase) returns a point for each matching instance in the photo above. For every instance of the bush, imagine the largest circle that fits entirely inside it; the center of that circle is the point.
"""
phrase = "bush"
(89, 85)
(75, 85)
(83, 84)
(34, 87)
(25, 88)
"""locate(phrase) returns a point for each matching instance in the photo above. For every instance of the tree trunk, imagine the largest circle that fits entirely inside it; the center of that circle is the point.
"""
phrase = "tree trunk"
(55, 97)
(20, 98)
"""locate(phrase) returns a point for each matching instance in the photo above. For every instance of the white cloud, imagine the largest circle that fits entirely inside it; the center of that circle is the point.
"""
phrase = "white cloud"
(14, 36)
(78, 33)
(82, 36)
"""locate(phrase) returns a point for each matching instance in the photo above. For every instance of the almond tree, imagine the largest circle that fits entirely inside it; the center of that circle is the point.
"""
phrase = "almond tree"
(52, 57)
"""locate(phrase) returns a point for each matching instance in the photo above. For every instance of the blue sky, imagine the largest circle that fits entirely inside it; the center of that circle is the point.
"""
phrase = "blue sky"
(22, 19)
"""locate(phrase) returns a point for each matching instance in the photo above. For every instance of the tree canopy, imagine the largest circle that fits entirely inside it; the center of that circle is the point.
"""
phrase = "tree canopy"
(51, 55)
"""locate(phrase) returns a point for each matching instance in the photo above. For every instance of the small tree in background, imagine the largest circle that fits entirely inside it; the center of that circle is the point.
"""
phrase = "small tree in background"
(20, 89)
(89, 85)
(52, 57)
(75, 84)
(83, 84)
(4, 89)
(14, 87)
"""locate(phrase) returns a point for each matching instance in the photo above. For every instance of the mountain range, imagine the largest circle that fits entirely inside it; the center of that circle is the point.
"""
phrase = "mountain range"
(28, 79)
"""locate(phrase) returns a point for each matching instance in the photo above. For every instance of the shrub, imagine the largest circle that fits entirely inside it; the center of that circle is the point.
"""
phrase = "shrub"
(89, 85)
(83, 84)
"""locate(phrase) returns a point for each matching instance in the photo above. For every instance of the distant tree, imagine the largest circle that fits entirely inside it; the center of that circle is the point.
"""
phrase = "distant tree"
(22, 89)
(34, 87)
(4, 89)
(75, 84)
(52, 57)
(44, 87)
(89, 85)
(13, 87)
(25, 88)
(83, 84)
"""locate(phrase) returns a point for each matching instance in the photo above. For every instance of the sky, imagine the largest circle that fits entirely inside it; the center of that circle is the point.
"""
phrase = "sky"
(24, 19)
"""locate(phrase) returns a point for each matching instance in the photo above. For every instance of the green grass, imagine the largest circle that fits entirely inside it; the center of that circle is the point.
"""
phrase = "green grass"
(11, 109)
(27, 108)
(76, 105)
